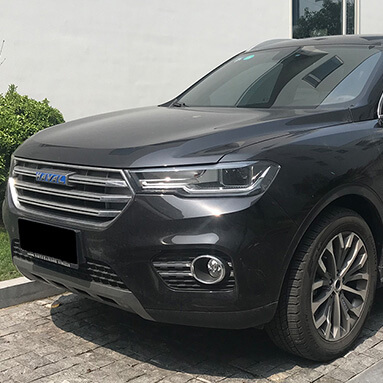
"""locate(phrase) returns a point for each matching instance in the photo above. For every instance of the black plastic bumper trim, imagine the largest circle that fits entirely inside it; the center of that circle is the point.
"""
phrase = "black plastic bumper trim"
(100, 292)
(125, 299)
(225, 320)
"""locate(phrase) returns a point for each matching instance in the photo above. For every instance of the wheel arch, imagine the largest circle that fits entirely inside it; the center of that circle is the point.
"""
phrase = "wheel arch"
(360, 199)
(367, 210)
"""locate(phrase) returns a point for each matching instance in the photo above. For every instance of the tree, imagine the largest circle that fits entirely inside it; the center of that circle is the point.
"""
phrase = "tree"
(20, 118)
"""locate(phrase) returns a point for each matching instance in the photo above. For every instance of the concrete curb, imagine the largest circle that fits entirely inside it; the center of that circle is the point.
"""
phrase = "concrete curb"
(22, 290)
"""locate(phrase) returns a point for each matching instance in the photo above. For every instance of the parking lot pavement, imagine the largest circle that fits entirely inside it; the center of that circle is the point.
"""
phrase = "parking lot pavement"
(72, 339)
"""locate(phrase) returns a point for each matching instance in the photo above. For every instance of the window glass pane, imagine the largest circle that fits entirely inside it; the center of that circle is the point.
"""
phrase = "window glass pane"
(317, 18)
(350, 17)
(354, 83)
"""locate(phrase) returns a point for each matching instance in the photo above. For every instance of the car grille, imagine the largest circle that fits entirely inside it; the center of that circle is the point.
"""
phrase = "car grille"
(93, 271)
(175, 272)
(93, 194)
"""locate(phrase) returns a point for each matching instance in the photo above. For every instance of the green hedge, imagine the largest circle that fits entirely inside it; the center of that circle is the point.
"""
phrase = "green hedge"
(20, 118)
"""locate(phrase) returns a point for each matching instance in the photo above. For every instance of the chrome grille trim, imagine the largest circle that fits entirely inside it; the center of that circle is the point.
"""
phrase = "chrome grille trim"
(77, 179)
(96, 195)
(174, 270)
(68, 208)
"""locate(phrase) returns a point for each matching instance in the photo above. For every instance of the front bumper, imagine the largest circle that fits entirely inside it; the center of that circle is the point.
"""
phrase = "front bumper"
(253, 232)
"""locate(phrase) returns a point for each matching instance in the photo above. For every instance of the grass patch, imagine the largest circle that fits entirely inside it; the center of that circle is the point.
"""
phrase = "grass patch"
(7, 269)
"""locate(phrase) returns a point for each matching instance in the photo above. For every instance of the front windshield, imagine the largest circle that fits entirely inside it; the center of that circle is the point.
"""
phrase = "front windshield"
(295, 77)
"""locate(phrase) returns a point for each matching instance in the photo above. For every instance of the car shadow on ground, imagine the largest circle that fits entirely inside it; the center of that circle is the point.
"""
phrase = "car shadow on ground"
(194, 350)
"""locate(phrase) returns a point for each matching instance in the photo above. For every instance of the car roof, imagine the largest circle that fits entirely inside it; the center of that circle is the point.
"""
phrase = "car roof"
(322, 40)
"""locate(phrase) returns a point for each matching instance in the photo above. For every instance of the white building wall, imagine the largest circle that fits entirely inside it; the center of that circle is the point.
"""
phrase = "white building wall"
(370, 16)
(93, 56)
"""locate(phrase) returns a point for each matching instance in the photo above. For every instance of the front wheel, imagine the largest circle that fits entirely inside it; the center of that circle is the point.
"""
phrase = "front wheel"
(330, 287)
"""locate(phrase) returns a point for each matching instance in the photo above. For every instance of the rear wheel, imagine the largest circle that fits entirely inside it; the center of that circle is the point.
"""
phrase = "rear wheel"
(330, 287)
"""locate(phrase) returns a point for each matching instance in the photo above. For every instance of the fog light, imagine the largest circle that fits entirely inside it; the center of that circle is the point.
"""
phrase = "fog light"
(215, 268)
(208, 269)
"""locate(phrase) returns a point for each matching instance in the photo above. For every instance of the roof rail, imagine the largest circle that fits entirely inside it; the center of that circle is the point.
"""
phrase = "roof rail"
(266, 43)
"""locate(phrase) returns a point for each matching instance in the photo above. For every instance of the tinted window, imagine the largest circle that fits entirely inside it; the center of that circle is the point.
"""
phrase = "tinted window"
(352, 85)
(290, 77)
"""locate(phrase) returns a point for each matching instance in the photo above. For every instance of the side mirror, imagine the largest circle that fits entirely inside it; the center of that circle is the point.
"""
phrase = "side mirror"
(380, 111)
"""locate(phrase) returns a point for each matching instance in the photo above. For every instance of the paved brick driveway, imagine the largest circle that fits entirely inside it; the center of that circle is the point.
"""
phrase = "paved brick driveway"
(71, 339)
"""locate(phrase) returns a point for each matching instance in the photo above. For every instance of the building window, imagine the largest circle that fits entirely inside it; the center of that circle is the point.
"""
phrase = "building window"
(324, 17)
(350, 29)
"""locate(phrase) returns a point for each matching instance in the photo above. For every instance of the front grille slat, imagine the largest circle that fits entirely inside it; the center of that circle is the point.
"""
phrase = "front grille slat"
(177, 274)
(97, 182)
(68, 208)
(71, 193)
(24, 172)
(94, 195)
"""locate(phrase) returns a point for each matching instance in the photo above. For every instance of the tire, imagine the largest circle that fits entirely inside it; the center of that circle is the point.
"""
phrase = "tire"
(329, 290)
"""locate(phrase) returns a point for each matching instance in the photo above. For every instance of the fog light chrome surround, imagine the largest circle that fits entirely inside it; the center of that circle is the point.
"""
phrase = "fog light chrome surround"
(208, 269)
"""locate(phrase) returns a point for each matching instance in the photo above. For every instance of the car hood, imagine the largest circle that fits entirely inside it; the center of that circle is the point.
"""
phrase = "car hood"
(159, 136)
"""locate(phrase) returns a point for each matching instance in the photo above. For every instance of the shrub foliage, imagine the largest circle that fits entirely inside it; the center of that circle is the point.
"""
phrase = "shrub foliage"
(20, 118)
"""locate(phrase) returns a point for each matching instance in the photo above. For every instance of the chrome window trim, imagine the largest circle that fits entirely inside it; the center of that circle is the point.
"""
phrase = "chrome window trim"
(379, 109)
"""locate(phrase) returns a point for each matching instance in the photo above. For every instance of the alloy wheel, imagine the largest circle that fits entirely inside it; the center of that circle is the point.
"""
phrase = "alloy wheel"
(340, 286)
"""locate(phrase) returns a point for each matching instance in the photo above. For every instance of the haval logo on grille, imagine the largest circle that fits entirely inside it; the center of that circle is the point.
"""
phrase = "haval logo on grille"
(53, 178)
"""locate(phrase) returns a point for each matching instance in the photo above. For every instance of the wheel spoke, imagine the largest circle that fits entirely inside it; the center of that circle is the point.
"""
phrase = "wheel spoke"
(355, 310)
(327, 331)
(336, 318)
(358, 264)
(340, 250)
(322, 266)
(346, 320)
(354, 251)
(349, 241)
(332, 260)
(361, 293)
(356, 277)
(318, 284)
(322, 269)
(320, 300)
(324, 316)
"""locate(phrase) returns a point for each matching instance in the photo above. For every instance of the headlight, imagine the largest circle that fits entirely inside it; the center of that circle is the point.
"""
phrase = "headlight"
(240, 178)
(11, 184)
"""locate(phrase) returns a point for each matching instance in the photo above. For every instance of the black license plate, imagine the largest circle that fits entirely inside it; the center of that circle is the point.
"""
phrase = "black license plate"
(50, 243)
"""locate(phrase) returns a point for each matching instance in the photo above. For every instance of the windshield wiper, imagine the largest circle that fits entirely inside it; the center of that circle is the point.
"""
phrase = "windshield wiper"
(179, 104)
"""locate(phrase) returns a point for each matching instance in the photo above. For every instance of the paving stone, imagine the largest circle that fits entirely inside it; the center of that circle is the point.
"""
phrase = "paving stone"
(84, 341)
(242, 377)
(327, 379)
(7, 364)
(373, 375)
(283, 371)
(177, 378)
(341, 374)
(367, 344)
(326, 368)
(147, 378)
(32, 360)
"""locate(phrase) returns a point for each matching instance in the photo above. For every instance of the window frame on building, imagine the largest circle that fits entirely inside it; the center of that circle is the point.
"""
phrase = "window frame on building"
(357, 27)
